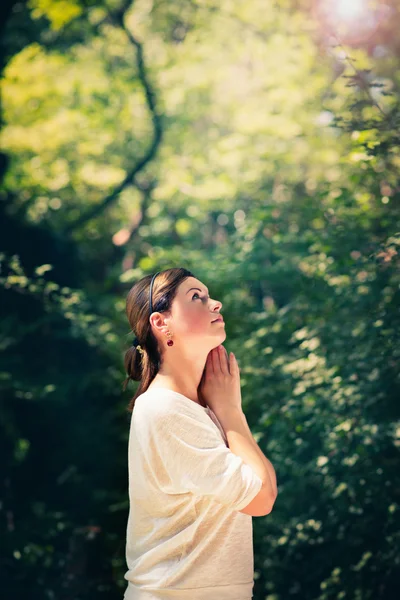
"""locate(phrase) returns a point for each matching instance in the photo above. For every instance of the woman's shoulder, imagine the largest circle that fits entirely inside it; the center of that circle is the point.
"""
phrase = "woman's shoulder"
(163, 411)
(163, 402)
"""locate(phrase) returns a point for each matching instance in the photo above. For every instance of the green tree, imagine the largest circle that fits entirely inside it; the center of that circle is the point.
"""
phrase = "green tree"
(260, 149)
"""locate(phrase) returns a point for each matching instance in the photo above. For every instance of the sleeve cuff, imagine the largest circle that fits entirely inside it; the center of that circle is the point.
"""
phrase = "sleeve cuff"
(252, 492)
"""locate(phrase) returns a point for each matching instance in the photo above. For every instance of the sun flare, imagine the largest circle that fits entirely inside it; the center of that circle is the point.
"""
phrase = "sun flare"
(350, 9)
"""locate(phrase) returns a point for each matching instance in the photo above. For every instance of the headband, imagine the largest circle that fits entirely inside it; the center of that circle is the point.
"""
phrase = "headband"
(135, 342)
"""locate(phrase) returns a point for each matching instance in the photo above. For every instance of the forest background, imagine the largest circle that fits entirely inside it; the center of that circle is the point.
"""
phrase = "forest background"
(257, 144)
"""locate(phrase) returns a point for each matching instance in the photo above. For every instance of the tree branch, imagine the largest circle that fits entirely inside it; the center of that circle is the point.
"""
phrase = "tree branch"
(95, 211)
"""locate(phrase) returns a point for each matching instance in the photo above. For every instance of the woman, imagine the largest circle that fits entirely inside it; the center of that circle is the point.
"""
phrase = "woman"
(196, 474)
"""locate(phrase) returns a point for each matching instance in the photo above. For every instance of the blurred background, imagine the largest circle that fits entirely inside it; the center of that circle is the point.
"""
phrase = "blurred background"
(257, 143)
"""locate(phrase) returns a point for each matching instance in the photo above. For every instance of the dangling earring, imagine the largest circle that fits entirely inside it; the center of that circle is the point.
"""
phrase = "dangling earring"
(170, 342)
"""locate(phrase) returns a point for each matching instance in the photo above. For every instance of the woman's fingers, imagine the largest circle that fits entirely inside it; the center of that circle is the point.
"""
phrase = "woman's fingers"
(224, 359)
(213, 360)
(215, 354)
(234, 364)
(227, 361)
(218, 361)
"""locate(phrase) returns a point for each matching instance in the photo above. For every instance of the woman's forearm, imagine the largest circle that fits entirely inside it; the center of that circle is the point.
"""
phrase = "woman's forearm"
(268, 464)
(242, 443)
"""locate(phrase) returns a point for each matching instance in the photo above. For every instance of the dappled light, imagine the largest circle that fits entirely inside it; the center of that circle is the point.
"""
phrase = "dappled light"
(257, 144)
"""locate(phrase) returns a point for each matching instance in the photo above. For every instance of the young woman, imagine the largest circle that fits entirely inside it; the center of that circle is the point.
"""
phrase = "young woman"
(196, 474)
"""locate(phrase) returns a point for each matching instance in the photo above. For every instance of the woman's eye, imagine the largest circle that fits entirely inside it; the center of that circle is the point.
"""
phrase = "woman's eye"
(198, 295)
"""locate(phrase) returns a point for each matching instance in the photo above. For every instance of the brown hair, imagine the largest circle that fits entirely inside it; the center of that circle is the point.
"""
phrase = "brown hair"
(144, 367)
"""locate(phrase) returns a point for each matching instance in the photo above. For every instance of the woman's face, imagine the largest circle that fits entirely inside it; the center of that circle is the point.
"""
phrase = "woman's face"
(192, 313)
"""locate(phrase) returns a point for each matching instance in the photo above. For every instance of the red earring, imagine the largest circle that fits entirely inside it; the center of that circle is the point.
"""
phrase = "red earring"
(170, 342)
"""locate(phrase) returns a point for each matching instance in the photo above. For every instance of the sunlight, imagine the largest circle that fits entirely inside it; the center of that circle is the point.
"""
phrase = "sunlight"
(353, 20)
(350, 9)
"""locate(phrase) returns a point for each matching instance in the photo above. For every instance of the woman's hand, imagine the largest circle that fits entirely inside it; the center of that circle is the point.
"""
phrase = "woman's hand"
(220, 384)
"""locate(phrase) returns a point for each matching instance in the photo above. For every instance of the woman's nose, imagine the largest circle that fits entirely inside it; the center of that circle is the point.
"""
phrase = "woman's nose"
(218, 304)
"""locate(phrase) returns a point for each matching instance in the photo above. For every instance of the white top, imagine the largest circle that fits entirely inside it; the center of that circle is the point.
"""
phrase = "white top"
(185, 537)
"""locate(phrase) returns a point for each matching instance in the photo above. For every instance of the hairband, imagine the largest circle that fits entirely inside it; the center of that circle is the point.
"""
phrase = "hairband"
(135, 342)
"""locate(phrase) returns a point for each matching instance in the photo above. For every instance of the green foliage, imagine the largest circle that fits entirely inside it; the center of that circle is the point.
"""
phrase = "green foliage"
(248, 144)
